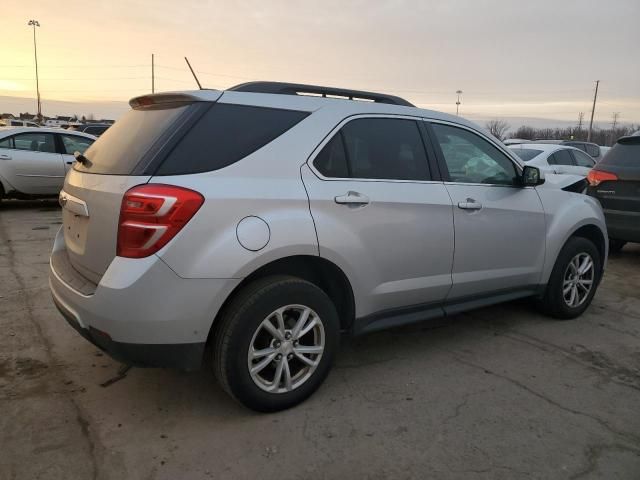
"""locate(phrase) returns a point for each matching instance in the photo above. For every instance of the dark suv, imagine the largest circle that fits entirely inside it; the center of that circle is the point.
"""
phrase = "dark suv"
(615, 182)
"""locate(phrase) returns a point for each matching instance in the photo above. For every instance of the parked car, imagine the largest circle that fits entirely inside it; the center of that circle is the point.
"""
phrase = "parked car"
(96, 129)
(245, 229)
(10, 122)
(553, 158)
(615, 182)
(34, 161)
(592, 149)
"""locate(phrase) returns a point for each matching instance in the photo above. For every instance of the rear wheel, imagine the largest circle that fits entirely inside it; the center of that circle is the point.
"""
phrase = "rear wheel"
(574, 279)
(275, 343)
(616, 245)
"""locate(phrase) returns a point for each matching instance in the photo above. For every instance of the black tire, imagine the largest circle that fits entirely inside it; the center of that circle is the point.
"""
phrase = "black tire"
(616, 245)
(240, 320)
(553, 302)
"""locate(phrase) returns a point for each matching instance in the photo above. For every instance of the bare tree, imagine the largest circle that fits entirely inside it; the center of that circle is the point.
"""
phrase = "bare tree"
(498, 128)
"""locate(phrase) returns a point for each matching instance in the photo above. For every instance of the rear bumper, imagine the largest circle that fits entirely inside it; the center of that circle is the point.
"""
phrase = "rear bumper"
(185, 356)
(623, 225)
(141, 312)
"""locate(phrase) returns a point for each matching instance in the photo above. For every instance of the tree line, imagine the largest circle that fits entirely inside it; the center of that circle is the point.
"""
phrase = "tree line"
(601, 136)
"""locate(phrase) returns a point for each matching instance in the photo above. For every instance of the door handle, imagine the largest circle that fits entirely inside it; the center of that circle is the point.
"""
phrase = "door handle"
(470, 204)
(5, 157)
(352, 198)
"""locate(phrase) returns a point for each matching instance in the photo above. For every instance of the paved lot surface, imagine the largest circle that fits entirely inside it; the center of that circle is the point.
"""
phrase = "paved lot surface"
(501, 393)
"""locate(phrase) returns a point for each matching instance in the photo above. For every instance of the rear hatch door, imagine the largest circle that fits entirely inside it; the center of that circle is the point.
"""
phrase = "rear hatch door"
(623, 160)
(123, 157)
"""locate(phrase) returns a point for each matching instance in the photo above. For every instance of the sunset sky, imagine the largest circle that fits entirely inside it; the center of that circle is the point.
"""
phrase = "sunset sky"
(511, 58)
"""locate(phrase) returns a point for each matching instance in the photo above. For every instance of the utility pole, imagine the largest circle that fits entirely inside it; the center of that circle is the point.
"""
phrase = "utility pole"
(153, 76)
(34, 24)
(593, 110)
(458, 102)
(614, 123)
(580, 119)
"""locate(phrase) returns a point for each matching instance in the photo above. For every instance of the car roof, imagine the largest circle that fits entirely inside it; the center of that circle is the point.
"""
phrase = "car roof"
(309, 103)
(6, 131)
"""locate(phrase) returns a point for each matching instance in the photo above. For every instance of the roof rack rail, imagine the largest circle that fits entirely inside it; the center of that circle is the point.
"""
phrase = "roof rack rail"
(283, 88)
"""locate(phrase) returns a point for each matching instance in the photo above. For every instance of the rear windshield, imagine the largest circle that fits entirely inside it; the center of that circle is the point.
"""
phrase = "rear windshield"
(123, 145)
(526, 154)
(625, 153)
(225, 134)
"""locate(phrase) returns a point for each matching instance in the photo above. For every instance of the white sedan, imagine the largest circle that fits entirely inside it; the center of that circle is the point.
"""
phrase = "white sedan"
(554, 158)
(34, 161)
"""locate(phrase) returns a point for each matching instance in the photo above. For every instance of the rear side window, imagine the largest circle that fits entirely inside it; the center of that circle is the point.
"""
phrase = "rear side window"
(582, 159)
(95, 130)
(593, 150)
(625, 153)
(526, 154)
(561, 157)
(123, 145)
(75, 143)
(332, 160)
(375, 148)
(6, 142)
(225, 134)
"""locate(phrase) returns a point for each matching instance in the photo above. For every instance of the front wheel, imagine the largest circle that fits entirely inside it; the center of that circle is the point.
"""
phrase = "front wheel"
(275, 343)
(574, 279)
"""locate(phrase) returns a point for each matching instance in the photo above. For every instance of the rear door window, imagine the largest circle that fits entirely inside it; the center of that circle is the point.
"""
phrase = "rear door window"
(35, 142)
(224, 135)
(375, 148)
(385, 148)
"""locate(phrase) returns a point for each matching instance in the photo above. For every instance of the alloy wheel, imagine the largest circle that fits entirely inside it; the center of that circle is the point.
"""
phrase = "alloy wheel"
(578, 280)
(286, 349)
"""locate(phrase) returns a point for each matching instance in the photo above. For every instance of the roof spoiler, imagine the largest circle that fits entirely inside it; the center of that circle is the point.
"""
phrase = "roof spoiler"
(163, 99)
(282, 88)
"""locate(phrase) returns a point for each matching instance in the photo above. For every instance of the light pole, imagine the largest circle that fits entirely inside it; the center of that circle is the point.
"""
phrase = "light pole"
(458, 102)
(34, 24)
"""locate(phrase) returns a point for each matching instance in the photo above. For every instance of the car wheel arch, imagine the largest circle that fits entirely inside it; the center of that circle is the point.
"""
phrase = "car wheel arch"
(321, 272)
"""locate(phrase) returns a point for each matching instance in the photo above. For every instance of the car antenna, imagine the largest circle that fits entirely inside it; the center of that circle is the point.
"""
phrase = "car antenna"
(193, 73)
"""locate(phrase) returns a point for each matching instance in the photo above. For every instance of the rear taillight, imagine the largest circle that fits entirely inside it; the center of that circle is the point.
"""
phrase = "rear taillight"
(596, 177)
(151, 215)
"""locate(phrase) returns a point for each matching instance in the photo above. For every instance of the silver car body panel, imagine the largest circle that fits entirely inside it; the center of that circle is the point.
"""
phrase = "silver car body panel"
(410, 245)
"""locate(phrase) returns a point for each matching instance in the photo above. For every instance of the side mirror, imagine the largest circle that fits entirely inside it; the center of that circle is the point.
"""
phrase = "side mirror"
(531, 176)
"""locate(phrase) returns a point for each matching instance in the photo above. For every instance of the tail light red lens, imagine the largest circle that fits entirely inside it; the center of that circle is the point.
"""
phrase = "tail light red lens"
(151, 215)
(596, 177)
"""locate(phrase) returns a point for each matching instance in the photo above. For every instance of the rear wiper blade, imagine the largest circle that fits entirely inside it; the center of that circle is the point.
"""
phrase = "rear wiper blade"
(80, 158)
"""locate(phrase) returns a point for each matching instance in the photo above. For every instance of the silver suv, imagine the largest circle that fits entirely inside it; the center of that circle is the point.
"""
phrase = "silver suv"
(245, 229)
